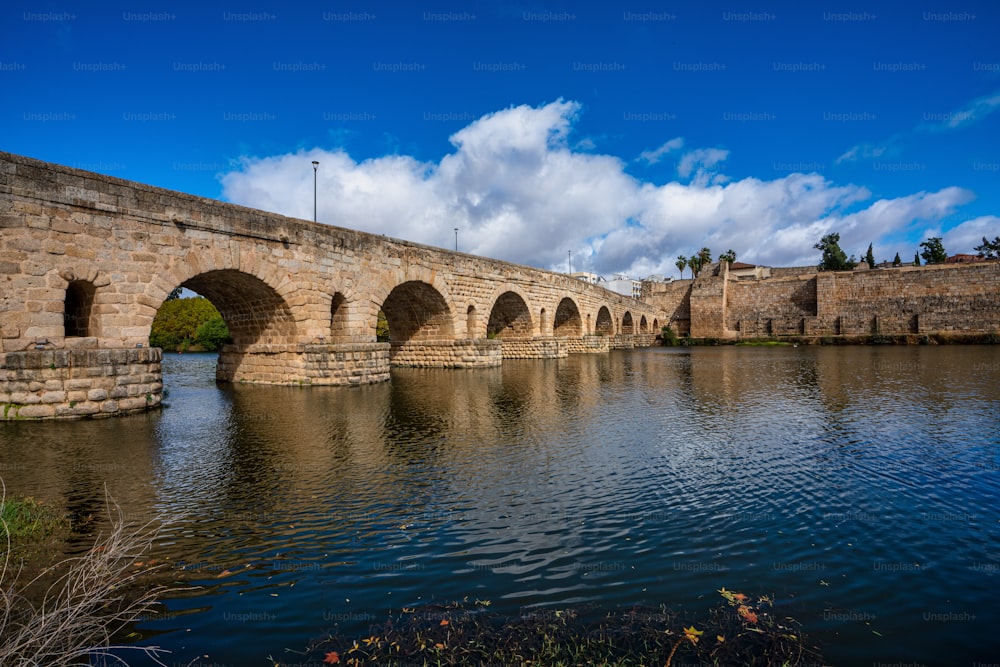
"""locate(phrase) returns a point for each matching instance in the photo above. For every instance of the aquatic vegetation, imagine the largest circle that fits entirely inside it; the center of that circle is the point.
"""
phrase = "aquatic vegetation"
(739, 631)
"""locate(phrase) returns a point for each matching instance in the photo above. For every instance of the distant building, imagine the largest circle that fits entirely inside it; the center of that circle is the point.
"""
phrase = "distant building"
(586, 277)
(624, 285)
(742, 270)
(964, 258)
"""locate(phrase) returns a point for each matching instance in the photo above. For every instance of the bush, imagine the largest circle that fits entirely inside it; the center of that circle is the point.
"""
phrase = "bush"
(212, 334)
(668, 337)
(83, 608)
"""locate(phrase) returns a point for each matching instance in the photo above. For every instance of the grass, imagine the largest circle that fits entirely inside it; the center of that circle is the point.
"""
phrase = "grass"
(27, 518)
(69, 613)
(739, 631)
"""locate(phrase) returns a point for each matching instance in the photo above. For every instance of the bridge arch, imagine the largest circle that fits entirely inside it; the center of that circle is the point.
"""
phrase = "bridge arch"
(253, 311)
(604, 326)
(510, 317)
(567, 322)
(417, 311)
(628, 325)
(643, 325)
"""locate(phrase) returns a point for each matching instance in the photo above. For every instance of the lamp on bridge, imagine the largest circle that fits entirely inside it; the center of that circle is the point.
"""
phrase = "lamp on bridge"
(456, 239)
(315, 167)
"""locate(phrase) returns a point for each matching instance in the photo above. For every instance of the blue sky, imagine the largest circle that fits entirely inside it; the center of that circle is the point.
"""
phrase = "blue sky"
(623, 133)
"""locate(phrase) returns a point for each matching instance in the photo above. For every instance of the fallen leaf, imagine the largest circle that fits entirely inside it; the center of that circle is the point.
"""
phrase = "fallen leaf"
(332, 658)
(444, 622)
(747, 613)
(693, 635)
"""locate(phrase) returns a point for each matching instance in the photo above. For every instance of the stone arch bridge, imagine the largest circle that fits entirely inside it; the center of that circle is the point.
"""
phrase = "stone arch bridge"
(86, 261)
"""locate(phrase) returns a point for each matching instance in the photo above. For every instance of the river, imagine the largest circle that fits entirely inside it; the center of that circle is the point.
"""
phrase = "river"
(860, 486)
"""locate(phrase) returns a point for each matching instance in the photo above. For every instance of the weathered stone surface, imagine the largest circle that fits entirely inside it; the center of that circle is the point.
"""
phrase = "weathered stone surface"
(907, 300)
(88, 259)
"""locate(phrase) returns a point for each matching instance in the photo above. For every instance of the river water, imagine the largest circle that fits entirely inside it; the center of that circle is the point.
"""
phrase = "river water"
(858, 485)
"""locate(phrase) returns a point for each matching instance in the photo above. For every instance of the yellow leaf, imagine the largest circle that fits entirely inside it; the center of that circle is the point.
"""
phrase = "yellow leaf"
(693, 635)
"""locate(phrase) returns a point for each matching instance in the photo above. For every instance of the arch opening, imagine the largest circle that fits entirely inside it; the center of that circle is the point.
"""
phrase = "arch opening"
(605, 326)
(628, 326)
(643, 325)
(78, 311)
(415, 311)
(471, 322)
(567, 322)
(510, 318)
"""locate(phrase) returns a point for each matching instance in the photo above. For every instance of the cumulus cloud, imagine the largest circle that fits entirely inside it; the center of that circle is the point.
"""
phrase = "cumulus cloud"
(519, 191)
(969, 234)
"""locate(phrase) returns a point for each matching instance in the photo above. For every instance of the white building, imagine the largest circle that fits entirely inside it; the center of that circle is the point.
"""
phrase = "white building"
(622, 284)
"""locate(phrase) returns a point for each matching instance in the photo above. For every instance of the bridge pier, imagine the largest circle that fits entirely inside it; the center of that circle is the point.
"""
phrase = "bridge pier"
(73, 384)
(468, 353)
(326, 364)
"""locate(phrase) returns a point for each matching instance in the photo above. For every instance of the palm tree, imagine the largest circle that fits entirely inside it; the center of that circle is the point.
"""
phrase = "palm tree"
(681, 264)
(729, 256)
(704, 257)
(694, 261)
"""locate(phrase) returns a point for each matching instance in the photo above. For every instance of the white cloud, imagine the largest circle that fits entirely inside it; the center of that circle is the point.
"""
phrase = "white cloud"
(966, 236)
(971, 113)
(517, 190)
(655, 155)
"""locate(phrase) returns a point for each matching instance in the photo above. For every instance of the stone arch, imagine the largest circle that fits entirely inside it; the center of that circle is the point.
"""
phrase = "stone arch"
(543, 321)
(656, 325)
(471, 321)
(253, 310)
(417, 311)
(510, 318)
(628, 324)
(339, 320)
(567, 322)
(79, 320)
(643, 325)
(604, 326)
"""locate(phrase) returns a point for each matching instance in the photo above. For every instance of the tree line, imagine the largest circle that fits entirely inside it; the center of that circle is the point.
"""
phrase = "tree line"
(833, 257)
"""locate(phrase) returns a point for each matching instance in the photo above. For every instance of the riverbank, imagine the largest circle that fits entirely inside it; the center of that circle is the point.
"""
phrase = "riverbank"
(937, 338)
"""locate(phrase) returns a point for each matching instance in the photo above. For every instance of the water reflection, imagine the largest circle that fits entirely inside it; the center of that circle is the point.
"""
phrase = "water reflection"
(858, 482)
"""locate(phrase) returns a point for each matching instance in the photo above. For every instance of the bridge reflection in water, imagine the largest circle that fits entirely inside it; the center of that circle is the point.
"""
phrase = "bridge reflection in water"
(851, 483)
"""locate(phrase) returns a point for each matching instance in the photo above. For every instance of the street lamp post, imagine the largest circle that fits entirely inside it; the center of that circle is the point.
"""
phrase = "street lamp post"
(456, 239)
(569, 262)
(315, 167)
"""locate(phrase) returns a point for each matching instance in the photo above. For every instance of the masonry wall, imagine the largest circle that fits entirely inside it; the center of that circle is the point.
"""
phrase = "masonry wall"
(906, 300)
(46, 384)
(674, 299)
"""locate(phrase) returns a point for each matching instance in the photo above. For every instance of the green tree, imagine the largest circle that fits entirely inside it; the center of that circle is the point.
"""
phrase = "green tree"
(174, 294)
(989, 249)
(729, 256)
(933, 251)
(212, 334)
(916, 259)
(896, 261)
(681, 264)
(382, 328)
(870, 257)
(177, 321)
(834, 259)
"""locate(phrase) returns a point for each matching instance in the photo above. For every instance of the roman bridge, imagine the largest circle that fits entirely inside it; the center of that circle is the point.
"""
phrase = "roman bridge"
(86, 260)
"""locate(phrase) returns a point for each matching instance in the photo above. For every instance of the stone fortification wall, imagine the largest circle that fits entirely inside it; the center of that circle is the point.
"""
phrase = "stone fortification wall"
(907, 300)
(943, 297)
(774, 306)
(674, 299)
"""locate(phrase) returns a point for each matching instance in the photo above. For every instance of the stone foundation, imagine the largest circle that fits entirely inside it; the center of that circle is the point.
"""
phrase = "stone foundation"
(319, 364)
(75, 384)
(478, 353)
(588, 344)
(534, 348)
